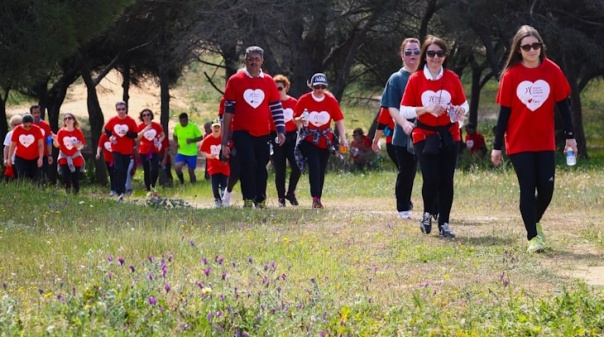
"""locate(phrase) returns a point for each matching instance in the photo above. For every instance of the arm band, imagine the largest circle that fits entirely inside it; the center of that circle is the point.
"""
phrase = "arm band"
(502, 125)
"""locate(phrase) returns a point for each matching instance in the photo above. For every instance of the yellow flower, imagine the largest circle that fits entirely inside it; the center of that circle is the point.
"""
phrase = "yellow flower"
(206, 290)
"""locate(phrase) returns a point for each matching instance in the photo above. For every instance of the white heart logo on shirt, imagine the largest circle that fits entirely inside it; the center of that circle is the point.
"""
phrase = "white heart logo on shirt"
(215, 149)
(69, 142)
(253, 97)
(150, 134)
(107, 146)
(288, 114)
(26, 140)
(319, 118)
(120, 129)
(533, 95)
(430, 97)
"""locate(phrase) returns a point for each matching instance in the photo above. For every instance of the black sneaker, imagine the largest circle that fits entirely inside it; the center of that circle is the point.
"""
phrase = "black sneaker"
(292, 199)
(426, 224)
(445, 231)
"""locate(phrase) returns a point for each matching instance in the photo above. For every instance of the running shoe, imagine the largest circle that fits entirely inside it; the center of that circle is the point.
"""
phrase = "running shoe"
(445, 231)
(426, 224)
(536, 245)
(292, 199)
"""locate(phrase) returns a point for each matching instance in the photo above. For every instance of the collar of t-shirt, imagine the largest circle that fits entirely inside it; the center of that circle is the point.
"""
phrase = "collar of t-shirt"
(429, 75)
(247, 73)
(317, 99)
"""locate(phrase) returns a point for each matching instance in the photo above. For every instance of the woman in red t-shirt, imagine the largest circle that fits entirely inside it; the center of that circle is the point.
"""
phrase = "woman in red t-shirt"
(70, 140)
(151, 136)
(104, 145)
(314, 113)
(27, 146)
(531, 85)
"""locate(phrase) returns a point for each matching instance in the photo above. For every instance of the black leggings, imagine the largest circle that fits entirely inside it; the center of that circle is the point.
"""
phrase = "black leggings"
(535, 172)
(120, 170)
(316, 160)
(407, 164)
(111, 173)
(27, 169)
(391, 150)
(150, 169)
(281, 155)
(438, 172)
(219, 182)
(71, 178)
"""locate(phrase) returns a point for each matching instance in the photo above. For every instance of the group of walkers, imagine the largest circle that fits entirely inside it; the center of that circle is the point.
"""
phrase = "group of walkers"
(422, 109)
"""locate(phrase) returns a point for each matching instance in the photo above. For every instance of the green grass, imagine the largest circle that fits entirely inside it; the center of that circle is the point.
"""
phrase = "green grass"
(352, 269)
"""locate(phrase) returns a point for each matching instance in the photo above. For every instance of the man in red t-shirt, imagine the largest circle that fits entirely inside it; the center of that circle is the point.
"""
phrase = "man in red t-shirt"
(122, 131)
(36, 113)
(475, 141)
(253, 96)
(27, 146)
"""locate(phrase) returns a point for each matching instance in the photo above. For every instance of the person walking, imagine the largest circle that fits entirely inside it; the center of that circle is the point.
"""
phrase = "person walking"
(219, 170)
(27, 149)
(434, 95)
(104, 146)
(314, 113)
(186, 135)
(151, 136)
(530, 86)
(401, 141)
(70, 141)
(9, 172)
(285, 153)
(47, 160)
(251, 99)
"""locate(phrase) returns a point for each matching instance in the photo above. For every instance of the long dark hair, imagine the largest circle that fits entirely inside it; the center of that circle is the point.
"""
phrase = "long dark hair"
(430, 40)
(515, 57)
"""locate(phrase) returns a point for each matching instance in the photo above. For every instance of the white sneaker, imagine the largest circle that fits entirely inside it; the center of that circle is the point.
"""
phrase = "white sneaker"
(226, 199)
(404, 215)
(112, 193)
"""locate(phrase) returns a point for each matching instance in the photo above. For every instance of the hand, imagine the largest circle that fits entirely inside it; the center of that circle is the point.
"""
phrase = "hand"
(436, 110)
(408, 128)
(281, 138)
(496, 157)
(226, 150)
(375, 147)
(344, 143)
(572, 143)
(459, 113)
(51, 160)
(39, 162)
(98, 156)
(8, 162)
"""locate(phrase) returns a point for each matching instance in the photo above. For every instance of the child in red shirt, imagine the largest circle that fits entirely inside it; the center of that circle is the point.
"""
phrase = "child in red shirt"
(219, 170)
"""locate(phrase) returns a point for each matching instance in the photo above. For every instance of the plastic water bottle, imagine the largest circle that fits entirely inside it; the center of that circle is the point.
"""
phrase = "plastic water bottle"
(305, 116)
(571, 159)
(451, 112)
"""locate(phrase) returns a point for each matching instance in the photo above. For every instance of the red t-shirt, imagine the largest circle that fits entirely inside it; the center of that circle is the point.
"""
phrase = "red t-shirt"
(165, 144)
(363, 146)
(27, 141)
(532, 93)
(67, 144)
(288, 115)
(385, 118)
(212, 146)
(119, 128)
(105, 144)
(477, 142)
(321, 113)
(46, 131)
(147, 143)
(423, 92)
(252, 96)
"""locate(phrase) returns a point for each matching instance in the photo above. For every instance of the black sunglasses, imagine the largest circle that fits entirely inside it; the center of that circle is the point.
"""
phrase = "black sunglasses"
(412, 52)
(536, 46)
(432, 53)
(67, 118)
(146, 115)
(280, 88)
(319, 87)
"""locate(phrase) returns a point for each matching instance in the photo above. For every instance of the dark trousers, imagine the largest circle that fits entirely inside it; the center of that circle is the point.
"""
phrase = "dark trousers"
(253, 155)
(111, 173)
(27, 169)
(316, 160)
(71, 179)
(391, 150)
(120, 170)
(407, 164)
(281, 155)
(150, 169)
(535, 172)
(219, 183)
(437, 172)
(235, 167)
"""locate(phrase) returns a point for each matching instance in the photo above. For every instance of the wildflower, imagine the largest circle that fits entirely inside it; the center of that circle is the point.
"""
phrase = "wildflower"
(221, 260)
(199, 284)
(150, 277)
(218, 313)
(191, 243)
(250, 260)
(236, 293)
(204, 260)
(506, 283)
(150, 258)
(207, 271)
(110, 275)
(170, 257)
(224, 275)
(152, 300)
(206, 290)
(167, 288)
(283, 276)
(120, 260)
(209, 316)
(109, 258)
(164, 270)
(132, 268)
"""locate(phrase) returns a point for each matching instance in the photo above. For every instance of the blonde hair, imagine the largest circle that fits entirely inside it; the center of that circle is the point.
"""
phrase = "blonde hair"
(282, 79)
(76, 124)
(15, 120)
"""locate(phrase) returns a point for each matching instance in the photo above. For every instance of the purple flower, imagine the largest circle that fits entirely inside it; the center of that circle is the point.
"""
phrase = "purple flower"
(207, 271)
(199, 284)
(167, 288)
(120, 260)
(191, 243)
(283, 276)
(152, 300)
(164, 270)
(218, 313)
(224, 275)
(250, 260)
(204, 260)
(209, 316)
(132, 268)
(506, 283)
(110, 258)
(236, 293)
(110, 275)
(150, 277)
(150, 258)
(170, 257)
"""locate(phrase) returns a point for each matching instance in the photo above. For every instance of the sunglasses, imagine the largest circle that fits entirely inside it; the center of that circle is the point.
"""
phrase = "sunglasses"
(120, 109)
(432, 53)
(319, 87)
(280, 88)
(412, 52)
(528, 47)
(68, 118)
(146, 115)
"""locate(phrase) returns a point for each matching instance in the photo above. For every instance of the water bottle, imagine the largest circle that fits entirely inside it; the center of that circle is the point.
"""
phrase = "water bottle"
(571, 159)
(451, 113)
(305, 116)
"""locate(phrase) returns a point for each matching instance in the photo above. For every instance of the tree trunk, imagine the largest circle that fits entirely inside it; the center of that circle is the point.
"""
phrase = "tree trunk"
(3, 117)
(126, 81)
(95, 115)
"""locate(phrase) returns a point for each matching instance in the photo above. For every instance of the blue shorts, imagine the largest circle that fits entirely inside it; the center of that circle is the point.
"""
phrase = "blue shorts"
(191, 161)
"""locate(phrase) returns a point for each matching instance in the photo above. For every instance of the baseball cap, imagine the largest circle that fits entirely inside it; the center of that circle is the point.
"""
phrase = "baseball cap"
(318, 79)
